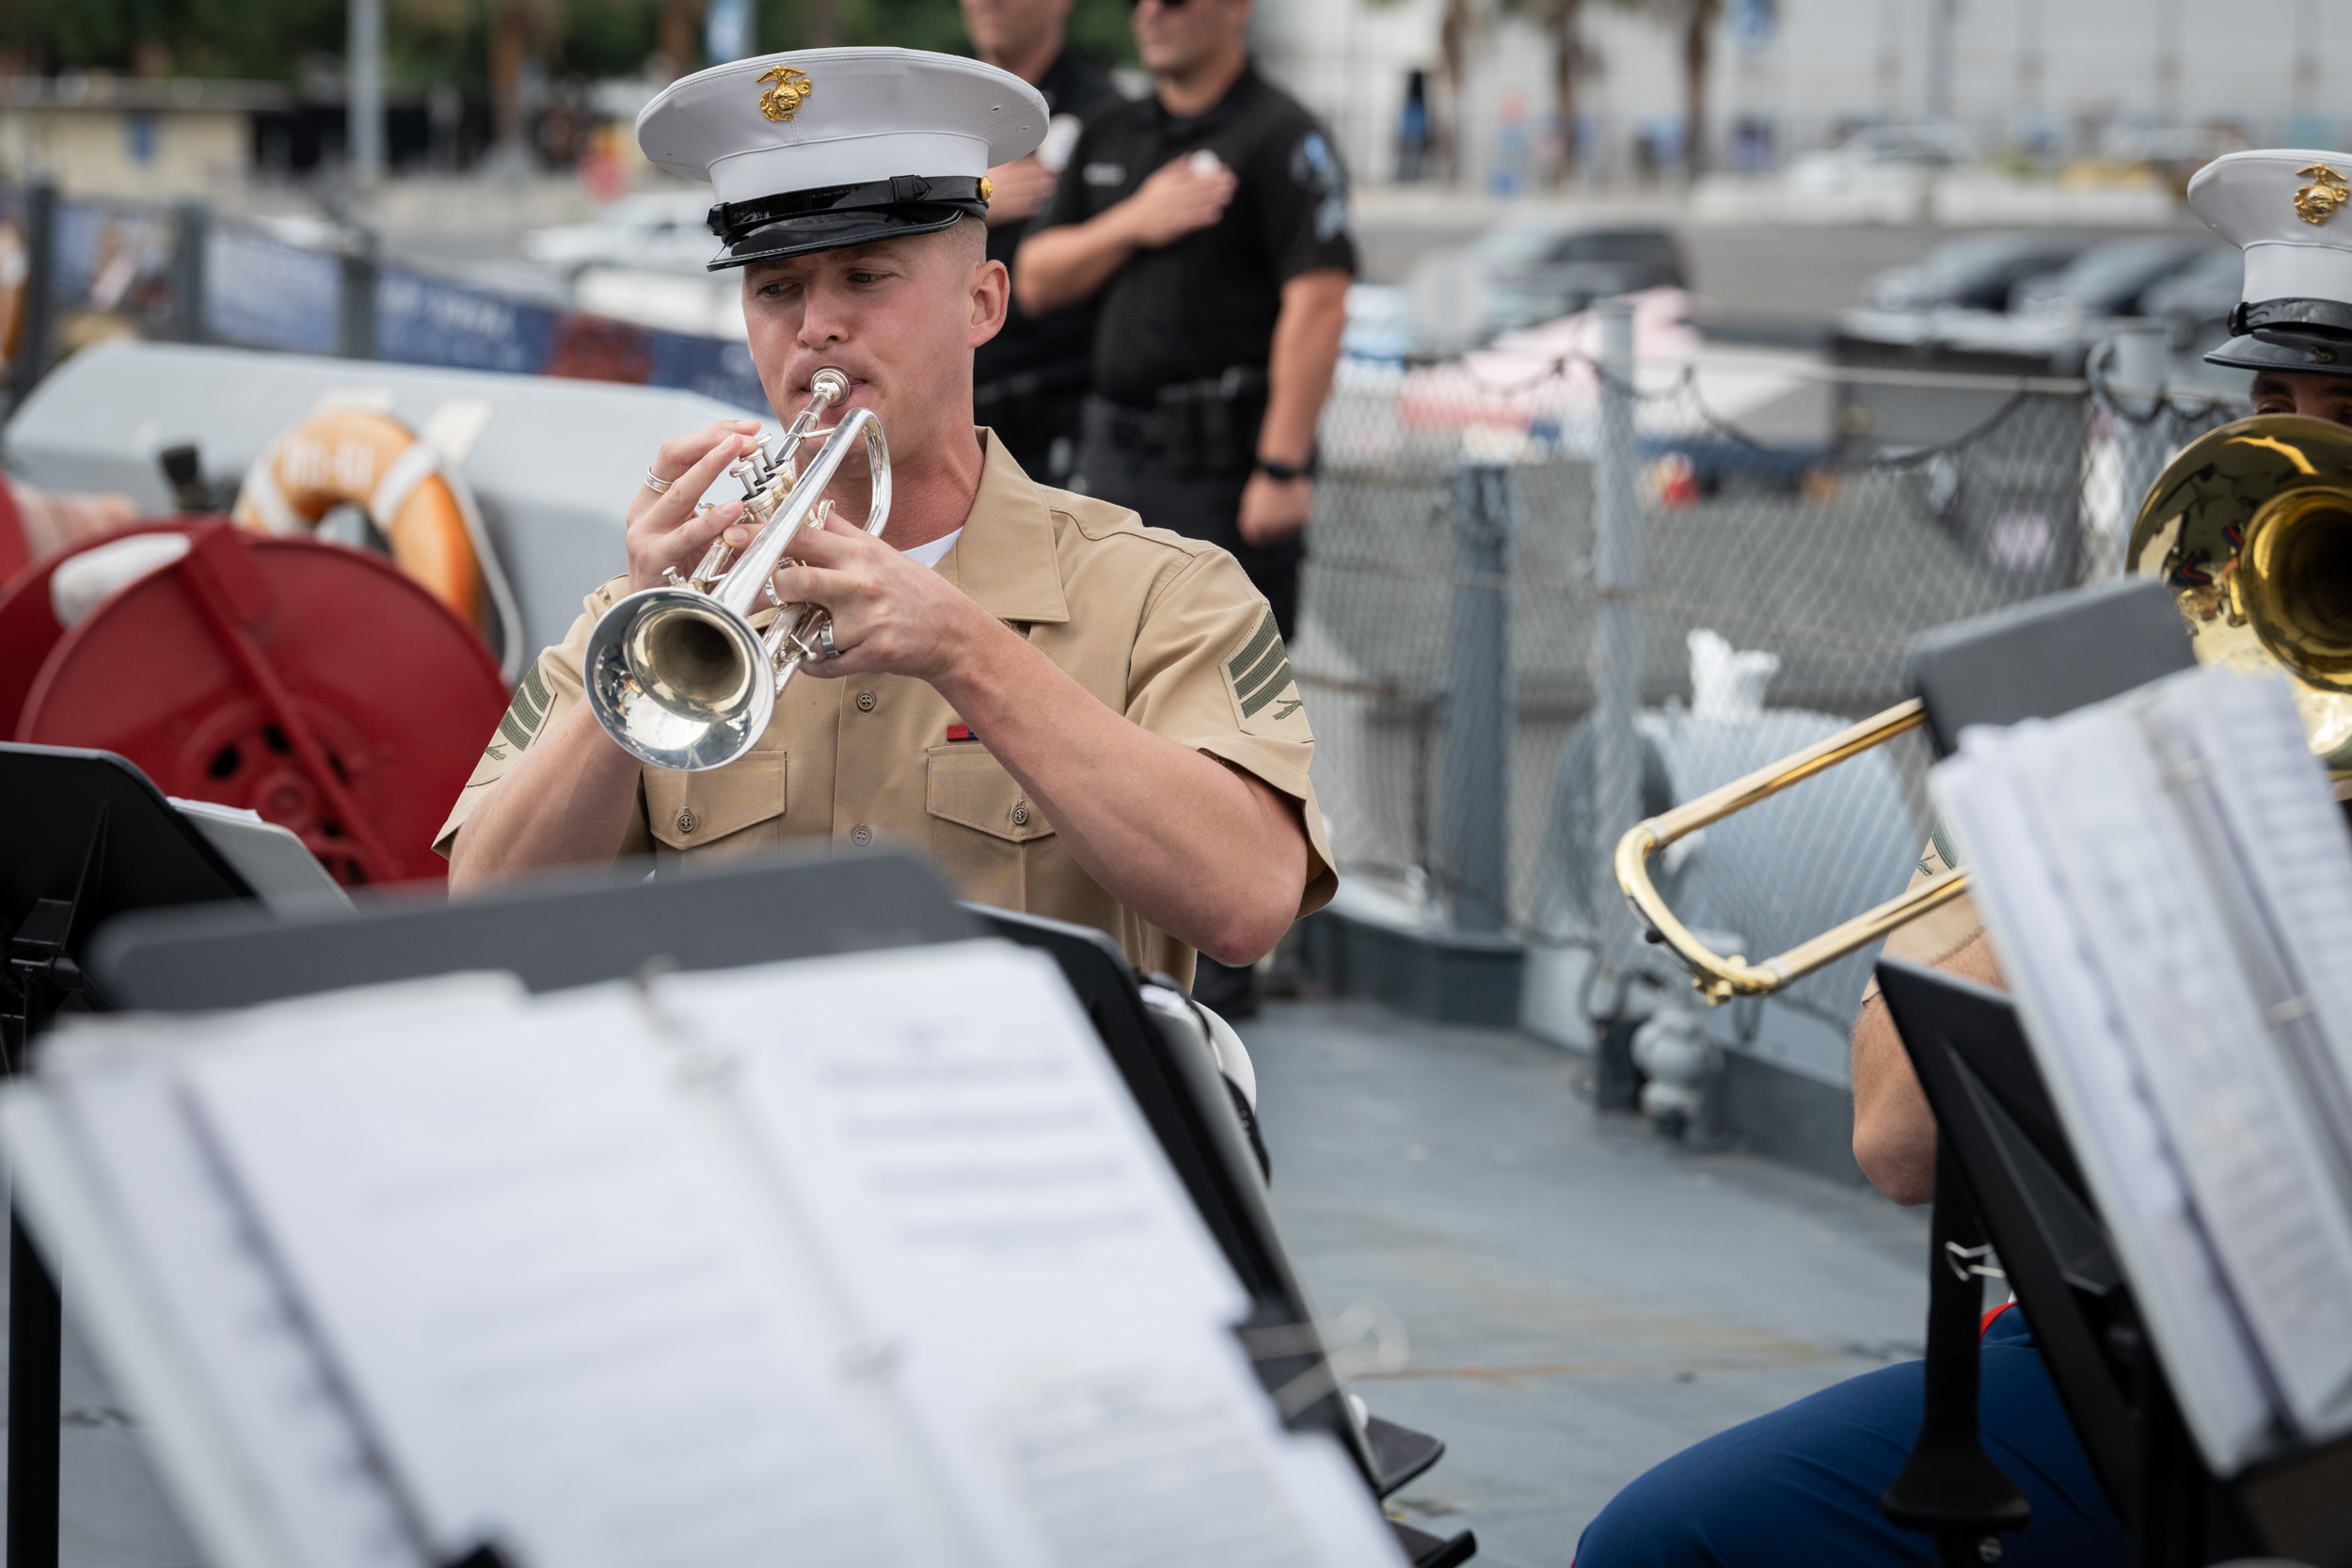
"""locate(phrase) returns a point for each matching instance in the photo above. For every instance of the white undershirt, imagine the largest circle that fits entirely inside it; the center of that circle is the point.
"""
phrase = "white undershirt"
(931, 554)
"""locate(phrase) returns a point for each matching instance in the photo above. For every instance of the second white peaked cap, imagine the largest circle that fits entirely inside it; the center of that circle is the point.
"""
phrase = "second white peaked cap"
(822, 147)
(2290, 210)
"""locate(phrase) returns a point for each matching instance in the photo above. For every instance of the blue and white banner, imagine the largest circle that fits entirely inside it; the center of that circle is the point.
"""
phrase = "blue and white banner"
(423, 321)
(264, 294)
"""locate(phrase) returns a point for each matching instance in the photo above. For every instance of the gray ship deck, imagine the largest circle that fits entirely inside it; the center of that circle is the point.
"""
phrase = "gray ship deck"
(1583, 1300)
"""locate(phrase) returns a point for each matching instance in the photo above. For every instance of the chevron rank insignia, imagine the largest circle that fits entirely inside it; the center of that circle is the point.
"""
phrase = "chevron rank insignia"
(524, 716)
(1265, 692)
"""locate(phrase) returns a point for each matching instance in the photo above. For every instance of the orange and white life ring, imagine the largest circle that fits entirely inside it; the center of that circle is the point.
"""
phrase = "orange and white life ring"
(424, 510)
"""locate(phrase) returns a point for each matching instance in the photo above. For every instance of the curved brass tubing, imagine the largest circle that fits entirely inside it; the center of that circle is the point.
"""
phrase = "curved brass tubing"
(1718, 977)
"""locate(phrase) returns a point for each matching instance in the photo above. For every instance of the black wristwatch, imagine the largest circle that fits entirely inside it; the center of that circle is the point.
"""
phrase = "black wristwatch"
(1285, 472)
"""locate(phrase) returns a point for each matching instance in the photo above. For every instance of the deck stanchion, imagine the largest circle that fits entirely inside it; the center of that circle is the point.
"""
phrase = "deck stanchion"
(1616, 650)
(1476, 790)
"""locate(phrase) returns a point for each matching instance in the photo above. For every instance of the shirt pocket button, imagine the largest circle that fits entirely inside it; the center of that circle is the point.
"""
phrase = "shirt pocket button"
(1020, 817)
(686, 822)
(861, 836)
(865, 702)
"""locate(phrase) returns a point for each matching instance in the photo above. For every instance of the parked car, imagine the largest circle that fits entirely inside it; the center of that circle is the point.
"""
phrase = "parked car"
(651, 232)
(1527, 272)
(2108, 279)
(2024, 300)
(1884, 152)
(1976, 272)
(2195, 302)
(1535, 276)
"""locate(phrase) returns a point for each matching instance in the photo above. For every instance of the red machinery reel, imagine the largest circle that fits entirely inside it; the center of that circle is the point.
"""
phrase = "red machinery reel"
(315, 684)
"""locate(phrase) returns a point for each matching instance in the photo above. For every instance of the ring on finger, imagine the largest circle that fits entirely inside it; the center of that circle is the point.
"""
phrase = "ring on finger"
(655, 483)
(824, 643)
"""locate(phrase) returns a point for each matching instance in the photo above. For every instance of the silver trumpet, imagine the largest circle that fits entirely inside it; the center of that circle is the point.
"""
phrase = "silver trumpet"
(677, 675)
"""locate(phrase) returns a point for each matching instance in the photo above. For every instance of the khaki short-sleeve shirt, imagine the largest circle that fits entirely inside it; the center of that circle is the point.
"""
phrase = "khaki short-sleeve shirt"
(1164, 629)
(1941, 931)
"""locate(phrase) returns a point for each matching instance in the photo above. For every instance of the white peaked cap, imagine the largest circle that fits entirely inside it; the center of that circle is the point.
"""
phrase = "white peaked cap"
(867, 114)
(2258, 202)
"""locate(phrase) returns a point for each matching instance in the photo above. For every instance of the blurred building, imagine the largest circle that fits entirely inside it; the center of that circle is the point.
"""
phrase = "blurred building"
(133, 137)
(2120, 79)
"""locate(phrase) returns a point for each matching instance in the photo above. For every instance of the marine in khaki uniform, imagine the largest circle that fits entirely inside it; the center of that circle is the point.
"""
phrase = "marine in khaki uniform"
(1066, 711)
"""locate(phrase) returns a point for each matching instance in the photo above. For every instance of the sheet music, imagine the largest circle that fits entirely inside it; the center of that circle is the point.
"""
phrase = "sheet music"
(306, 1463)
(946, 1125)
(867, 1261)
(2131, 948)
(1154, 1466)
(2288, 840)
(311, 1465)
(542, 1295)
(2079, 1039)
(2252, 1171)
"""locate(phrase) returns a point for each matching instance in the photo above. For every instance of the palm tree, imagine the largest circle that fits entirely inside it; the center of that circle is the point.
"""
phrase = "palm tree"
(1698, 19)
(1561, 23)
(1454, 30)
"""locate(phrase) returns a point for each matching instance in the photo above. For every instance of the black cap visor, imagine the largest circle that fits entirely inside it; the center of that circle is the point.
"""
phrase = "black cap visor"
(2312, 337)
(803, 223)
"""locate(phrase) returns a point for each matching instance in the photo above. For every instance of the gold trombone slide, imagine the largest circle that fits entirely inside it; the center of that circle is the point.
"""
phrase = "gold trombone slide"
(2248, 525)
(1720, 978)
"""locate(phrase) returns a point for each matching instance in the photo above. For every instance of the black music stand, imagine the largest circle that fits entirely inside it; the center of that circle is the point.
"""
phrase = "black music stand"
(2033, 660)
(2003, 1155)
(2003, 1170)
(89, 837)
(579, 929)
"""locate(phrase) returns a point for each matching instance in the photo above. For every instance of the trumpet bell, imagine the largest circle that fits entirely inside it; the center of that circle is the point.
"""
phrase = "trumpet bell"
(2250, 527)
(678, 680)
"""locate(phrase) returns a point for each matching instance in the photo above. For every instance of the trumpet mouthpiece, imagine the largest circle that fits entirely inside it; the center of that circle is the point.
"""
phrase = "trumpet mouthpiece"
(830, 384)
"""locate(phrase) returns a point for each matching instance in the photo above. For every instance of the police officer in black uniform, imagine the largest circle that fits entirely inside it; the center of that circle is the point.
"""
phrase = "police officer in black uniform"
(1210, 222)
(1029, 381)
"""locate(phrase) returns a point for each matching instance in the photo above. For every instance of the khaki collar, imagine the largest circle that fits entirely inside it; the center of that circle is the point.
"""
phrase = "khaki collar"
(1005, 557)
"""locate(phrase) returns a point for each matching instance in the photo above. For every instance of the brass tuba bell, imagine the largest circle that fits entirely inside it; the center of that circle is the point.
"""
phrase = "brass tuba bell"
(2250, 525)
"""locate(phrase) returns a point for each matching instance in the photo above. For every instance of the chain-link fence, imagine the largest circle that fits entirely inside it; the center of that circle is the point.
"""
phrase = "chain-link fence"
(1784, 530)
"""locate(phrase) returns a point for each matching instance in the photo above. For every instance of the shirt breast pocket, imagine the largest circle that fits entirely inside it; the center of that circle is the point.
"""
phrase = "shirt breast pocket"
(986, 834)
(738, 809)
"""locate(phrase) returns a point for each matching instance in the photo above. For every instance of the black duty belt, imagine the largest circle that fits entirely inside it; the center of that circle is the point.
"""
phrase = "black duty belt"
(1205, 429)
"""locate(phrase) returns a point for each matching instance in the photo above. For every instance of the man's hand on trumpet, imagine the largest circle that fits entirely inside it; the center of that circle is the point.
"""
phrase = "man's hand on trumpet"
(891, 614)
(665, 530)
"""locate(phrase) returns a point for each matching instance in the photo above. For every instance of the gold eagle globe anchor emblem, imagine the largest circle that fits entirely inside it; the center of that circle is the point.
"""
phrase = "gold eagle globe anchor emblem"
(2324, 196)
(790, 87)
